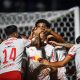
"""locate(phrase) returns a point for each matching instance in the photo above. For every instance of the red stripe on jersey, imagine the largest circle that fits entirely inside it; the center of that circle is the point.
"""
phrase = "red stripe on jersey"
(7, 43)
(53, 56)
(71, 55)
(73, 49)
(33, 58)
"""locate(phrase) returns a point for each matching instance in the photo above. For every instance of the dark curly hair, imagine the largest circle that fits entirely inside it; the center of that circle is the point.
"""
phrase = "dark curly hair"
(10, 29)
(48, 25)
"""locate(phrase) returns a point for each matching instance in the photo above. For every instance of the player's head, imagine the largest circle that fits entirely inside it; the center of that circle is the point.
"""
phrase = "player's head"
(42, 23)
(36, 42)
(78, 40)
(49, 37)
(11, 30)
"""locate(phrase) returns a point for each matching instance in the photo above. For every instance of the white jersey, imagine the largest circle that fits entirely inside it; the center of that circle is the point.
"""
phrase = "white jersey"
(60, 56)
(33, 54)
(11, 54)
(56, 54)
(50, 53)
(75, 51)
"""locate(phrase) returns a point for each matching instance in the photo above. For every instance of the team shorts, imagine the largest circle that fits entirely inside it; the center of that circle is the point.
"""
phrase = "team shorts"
(12, 75)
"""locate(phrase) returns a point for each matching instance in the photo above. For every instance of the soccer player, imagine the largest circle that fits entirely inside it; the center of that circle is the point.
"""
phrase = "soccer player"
(11, 51)
(34, 53)
(44, 25)
(73, 53)
(54, 53)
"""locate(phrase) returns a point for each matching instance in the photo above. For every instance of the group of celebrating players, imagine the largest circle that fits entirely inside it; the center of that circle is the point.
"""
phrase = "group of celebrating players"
(41, 56)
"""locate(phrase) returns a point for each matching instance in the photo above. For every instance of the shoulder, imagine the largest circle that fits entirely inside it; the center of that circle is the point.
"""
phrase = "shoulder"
(31, 48)
(75, 47)
(49, 46)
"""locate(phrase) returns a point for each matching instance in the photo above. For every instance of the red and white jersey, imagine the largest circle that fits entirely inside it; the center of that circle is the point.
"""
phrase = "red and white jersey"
(60, 51)
(50, 53)
(11, 51)
(75, 51)
(34, 55)
(56, 54)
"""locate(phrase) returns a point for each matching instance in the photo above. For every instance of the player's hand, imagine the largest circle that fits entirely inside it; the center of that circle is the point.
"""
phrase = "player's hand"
(53, 43)
(48, 30)
(33, 29)
(45, 62)
(44, 73)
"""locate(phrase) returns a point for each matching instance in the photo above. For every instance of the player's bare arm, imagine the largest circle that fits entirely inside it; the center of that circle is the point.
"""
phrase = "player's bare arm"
(56, 35)
(67, 45)
(59, 63)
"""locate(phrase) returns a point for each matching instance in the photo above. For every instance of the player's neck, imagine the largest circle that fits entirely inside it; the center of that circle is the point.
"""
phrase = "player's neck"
(12, 36)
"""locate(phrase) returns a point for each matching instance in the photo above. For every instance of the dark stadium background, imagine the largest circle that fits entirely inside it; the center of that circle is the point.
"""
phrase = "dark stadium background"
(36, 5)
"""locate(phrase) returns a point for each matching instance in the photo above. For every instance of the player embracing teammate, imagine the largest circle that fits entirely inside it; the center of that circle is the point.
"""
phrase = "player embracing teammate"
(11, 51)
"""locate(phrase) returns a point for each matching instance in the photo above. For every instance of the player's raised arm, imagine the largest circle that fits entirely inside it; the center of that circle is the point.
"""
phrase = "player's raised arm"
(67, 45)
(58, 37)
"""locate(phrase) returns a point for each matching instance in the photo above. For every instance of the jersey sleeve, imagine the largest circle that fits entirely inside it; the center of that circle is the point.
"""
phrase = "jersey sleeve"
(26, 42)
(72, 51)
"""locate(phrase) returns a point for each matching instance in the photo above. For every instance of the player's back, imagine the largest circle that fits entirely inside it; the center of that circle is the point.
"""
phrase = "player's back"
(11, 55)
